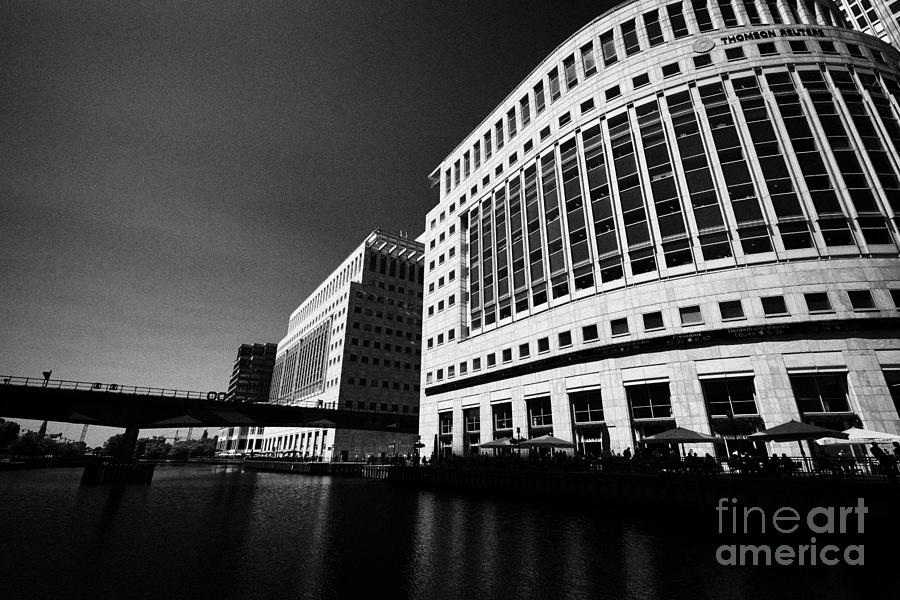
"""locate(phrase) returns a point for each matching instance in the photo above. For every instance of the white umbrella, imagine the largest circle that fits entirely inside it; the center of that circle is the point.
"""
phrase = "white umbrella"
(856, 435)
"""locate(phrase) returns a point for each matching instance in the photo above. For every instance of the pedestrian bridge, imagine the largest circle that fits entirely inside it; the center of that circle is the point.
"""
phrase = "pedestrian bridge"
(133, 407)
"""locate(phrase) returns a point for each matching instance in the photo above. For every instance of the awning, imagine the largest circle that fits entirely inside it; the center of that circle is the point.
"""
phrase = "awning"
(680, 435)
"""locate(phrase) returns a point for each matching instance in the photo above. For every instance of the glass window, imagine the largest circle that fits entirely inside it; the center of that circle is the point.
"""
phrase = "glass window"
(702, 60)
(539, 102)
(653, 321)
(731, 309)
(654, 30)
(676, 20)
(554, 84)
(524, 110)
(701, 13)
(588, 62)
(619, 326)
(820, 393)
(630, 37)
(587, 406)
(671, 69)
(767, 48)
(818, 302)
(507, 355)
(589, 333)
(565, 339)
(543, 345)
(640, 80)
(861, 300)
(774, 306)
(690, 315)
(524, 350)
(729, 397)
(571, 72)
(649, 401)
(608, 48)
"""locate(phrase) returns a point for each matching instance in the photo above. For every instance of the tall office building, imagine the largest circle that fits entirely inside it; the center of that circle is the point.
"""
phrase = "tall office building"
(686, 215)
(880, 18)
(354, 344)
(250, 379)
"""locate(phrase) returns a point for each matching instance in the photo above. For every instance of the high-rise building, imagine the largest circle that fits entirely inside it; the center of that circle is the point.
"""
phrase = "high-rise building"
(252, 373)
(250, 379)
(686, 215)
(876, 17)
(354, 344)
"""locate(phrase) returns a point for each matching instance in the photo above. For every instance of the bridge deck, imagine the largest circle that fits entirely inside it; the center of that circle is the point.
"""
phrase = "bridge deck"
(148, 408)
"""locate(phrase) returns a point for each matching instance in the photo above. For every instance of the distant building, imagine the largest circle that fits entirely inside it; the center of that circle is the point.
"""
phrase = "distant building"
(249, 382)
(880, 18)
(252, 373)
(354, 344)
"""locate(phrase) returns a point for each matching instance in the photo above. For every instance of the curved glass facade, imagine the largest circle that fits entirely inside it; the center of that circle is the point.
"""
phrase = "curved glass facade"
(653, 152)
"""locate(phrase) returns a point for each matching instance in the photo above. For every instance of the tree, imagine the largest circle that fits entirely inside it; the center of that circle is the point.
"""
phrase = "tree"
(9, 432)
(112, 446)
(30, 443)
(156, 448)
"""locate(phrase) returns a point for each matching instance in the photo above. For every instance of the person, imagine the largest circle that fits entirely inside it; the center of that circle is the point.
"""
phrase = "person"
(886, 461)
(896, 451)
(627, 453)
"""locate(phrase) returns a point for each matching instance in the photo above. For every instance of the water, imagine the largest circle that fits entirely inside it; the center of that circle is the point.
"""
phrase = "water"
(216, 532)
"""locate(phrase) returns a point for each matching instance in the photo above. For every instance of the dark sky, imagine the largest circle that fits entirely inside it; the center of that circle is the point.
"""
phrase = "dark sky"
(176, 177)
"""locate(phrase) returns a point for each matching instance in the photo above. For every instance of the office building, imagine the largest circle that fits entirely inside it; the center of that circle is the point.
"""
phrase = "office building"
(686, 215)
(250, 379)
(876, 17)
(353, 344)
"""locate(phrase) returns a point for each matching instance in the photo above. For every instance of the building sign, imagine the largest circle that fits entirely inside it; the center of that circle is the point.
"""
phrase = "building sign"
(771, 33)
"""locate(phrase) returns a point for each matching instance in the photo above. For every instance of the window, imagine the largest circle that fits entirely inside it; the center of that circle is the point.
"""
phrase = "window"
(565, 119)
(565, 339)
(640, 80)
(734, 53)
(690, 315)
(798, 47)
(502, 416)
(498, 133)
(539, 412)
(861, 300)
(491, 360)
(587, 406)
(649, 401)
(570, 71)
(543, 345)
(476, 364)
(774, 306)
(828, 47)
(463, 368)
(554, 84)
(653, 321)
(511, 122)
(895, 296)
(654, 30)
(524, 351)
(731, 310)
(729, 397)
(619, 326)
(820, 393)
(767, 48)
(676, 19)
(587, 60)
(818, 302)
(613, 92)
(608, 48)
(587, 105)
(539, 102)
(589, 333)
(525, 110)
(630, 38)
(854, 50)
(507, 355)
(701, 12)
(703, 60)
(545, 133)
(671, 69)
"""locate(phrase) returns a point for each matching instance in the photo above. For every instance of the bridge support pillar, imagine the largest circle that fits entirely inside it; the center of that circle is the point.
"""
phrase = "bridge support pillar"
(129, 442)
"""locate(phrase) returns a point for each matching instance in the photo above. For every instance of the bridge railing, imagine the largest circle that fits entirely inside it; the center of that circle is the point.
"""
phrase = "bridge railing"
(93, 386)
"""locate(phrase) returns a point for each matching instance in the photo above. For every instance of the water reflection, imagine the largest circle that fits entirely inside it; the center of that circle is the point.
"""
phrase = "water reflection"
(221, 533)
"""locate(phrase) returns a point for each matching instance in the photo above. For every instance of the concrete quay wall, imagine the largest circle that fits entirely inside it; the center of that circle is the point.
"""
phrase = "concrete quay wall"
(655, 491)
(307, 468)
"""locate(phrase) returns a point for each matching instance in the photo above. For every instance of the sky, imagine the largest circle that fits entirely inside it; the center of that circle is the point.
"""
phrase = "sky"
(176, 177)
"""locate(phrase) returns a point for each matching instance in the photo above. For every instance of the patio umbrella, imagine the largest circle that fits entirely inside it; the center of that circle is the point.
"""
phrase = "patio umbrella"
(680, 435)
(794, 431)
(546, 441)
(855, 435)
(498, 443)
